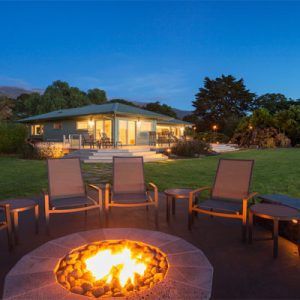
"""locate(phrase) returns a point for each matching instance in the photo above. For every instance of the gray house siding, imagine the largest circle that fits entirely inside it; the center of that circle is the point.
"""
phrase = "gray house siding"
(56, 135)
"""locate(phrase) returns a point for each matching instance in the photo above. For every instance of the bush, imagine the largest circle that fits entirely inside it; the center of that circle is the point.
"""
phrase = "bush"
(191, 148)
(262, 138)
(212, 137)
(12, 137)
(49, 150)
(29, 151)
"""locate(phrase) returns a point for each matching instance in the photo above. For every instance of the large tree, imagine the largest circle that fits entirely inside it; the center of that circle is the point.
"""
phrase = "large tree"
(96, 96)
(161, 109)
(273, 102)
(222, 102)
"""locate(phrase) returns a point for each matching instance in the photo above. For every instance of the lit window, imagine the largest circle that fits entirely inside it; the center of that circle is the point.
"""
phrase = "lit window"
(57, 125)
(37, 129)
(82, 125)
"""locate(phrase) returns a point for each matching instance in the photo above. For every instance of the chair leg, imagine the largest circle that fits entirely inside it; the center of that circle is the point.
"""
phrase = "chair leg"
(15, 220)
(275, 242)
(47, 217)
(190, 221)
(36, 214)
(244, 232)
(250, 228)
(99, 216)
(106, 217)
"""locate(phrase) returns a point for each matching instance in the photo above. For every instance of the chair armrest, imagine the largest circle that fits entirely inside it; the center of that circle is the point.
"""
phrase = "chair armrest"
(193, 193)
(99, 190)
(155, 190)
(46, 199)
(250, 196)
(199, 190)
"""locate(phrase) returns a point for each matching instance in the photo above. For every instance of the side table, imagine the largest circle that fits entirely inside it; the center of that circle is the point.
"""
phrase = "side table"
(20, 205)
(173, 194)
(275, 213)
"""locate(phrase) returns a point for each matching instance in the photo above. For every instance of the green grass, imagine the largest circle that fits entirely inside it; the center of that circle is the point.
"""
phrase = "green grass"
(275, 171)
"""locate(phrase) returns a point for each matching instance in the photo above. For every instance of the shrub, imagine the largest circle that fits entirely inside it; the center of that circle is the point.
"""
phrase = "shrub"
(29, 151)
(49, 150)
(262, 138)
(192, 148)
(12, 137)
(212, 137)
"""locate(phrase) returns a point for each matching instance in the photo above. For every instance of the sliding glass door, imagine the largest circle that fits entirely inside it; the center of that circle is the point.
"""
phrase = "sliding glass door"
(127, 132)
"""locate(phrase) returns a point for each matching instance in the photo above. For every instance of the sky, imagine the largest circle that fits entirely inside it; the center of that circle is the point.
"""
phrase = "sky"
(151, 51)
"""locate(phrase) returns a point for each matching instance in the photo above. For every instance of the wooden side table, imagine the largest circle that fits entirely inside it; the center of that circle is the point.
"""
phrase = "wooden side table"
(20, 205)
(275, 213)
(173, 194)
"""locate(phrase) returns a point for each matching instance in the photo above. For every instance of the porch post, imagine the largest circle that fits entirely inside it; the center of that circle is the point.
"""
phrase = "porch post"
(115, 131)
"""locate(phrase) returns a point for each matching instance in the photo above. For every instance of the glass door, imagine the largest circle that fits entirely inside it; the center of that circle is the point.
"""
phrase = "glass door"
(127, 132)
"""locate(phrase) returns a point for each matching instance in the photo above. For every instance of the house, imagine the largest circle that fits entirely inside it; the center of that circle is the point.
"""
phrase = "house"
(123, 124)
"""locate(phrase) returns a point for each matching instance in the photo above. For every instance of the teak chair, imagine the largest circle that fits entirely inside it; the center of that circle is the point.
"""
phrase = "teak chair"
(229, 196)
(129, 188)
(5, 223)
(67, 192)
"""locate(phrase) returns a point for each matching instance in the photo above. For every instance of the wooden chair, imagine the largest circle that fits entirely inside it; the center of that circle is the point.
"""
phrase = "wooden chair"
(129, 188)
(229, 196)
(88, 139)
(5, 223)
(67, 192)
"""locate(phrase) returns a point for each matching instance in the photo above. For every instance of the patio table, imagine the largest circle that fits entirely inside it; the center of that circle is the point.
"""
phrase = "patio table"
(275, 213)
(20, 205)
(281, 199)
(180, 193)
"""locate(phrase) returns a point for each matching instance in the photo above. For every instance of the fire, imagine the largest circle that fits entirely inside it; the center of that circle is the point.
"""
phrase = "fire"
(103, 264)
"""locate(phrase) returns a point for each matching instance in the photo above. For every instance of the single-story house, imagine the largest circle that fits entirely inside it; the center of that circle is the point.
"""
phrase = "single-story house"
(121, 123)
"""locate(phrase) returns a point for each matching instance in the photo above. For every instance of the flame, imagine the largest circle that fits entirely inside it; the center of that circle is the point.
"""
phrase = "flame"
(102, 264)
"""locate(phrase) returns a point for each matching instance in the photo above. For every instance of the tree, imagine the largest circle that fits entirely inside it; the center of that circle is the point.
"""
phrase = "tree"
(28, 105)
(222, 99)
(96, 96)
(288, 121)
(123, 101)
(273, 102)
(161, 109)
(6, 108)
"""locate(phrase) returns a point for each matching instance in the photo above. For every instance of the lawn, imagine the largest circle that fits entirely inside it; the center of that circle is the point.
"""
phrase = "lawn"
(275, 171)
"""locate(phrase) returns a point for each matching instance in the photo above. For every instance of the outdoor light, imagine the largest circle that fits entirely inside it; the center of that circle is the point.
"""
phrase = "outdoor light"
(295, 221)
(215, 127)
(91, 123)
(250, 127)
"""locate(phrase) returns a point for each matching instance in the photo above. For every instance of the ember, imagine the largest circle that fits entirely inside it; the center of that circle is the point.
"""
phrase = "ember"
(111, 268)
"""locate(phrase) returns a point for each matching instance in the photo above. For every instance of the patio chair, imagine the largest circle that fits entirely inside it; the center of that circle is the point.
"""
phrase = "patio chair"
(67, 192)
(129, 188)
(5, 223)
(88, 139)
(229, 196)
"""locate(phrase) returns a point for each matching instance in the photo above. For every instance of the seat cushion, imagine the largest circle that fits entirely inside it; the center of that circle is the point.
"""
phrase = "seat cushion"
(221, 206)
(70, 202)
(130, 198)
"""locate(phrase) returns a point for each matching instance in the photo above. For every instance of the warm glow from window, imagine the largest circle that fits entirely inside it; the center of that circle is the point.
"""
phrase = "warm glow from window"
(37, 129)
(82, 125)
(57, 125)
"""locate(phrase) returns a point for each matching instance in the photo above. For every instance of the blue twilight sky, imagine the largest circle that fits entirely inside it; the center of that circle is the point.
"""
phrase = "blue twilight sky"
(149, 51)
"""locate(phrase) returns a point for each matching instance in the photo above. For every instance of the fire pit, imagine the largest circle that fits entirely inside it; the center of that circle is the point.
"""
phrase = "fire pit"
(111, 268)
(104, 263)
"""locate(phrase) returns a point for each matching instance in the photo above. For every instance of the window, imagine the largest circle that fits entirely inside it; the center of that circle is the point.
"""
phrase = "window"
(82, 125)
(37, 129)
(57, 125)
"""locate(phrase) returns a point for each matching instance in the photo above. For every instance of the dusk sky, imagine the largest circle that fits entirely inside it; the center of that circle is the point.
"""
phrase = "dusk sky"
(148, 51)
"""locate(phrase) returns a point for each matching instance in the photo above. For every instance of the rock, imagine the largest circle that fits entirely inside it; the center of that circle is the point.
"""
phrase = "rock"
(77, 290)
(61, 278)
(98, 292)
(76, 273)
(86, 286)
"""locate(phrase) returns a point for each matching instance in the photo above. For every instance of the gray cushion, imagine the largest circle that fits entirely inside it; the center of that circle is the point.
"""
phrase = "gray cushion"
(130, 198)
(70, 202)
(225, 206)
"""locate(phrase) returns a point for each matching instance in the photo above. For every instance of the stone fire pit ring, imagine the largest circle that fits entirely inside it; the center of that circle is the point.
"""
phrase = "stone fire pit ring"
(189, 274)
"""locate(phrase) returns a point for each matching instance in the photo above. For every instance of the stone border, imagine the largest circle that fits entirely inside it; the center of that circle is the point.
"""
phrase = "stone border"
(189, 275)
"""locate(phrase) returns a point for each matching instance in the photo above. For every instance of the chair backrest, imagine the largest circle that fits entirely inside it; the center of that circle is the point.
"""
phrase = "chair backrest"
(233, 179)
(128, 175)
(65, 178)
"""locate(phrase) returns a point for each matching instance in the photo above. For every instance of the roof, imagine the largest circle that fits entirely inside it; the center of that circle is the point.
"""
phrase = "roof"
(94, 109)
(174, 122)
